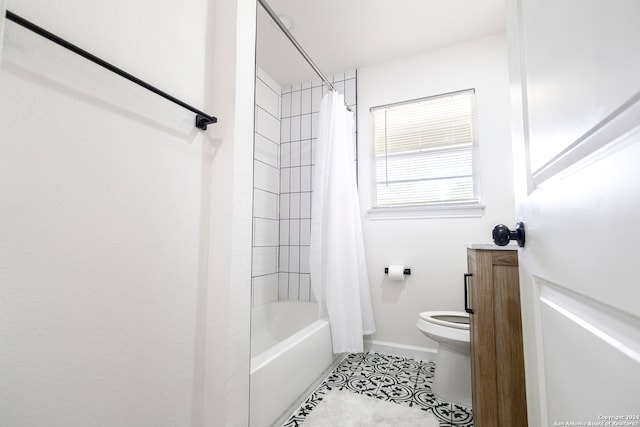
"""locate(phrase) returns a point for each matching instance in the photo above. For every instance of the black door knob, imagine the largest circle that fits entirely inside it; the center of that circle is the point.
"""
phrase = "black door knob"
(502, 235)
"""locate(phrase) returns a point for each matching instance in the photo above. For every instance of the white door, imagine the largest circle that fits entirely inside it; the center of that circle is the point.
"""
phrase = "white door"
(575, 74)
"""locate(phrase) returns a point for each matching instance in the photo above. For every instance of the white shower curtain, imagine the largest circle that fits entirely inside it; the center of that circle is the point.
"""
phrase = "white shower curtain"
(337, 260)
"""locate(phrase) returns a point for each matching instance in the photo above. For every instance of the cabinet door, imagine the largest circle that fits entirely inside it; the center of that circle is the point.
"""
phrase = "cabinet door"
(510, 382)
(483, 357)
(497, 364)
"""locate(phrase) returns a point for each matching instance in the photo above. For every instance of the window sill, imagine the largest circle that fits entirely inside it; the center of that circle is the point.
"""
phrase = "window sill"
(445, 210)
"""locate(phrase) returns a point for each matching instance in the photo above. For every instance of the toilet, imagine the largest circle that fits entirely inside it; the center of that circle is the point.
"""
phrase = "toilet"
(450, 329)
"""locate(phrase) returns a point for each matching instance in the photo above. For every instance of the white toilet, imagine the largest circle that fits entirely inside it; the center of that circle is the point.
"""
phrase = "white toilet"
(452, 380)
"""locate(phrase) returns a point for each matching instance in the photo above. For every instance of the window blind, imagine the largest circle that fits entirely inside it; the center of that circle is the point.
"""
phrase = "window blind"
(424, 150)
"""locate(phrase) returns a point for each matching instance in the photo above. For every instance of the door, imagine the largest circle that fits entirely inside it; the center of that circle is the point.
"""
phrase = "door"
(575, 79)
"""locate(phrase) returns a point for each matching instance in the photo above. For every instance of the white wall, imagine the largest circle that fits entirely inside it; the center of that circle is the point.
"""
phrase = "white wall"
(122, 252)
(435, 248)
(226, 327)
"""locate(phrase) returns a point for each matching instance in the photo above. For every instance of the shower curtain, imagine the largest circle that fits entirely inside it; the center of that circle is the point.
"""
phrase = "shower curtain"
(337, 260)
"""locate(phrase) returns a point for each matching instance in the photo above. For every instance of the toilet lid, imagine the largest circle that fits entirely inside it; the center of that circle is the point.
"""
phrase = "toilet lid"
(452, 319)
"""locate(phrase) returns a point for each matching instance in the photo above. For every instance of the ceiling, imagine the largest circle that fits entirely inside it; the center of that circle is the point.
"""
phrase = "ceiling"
(341, 35)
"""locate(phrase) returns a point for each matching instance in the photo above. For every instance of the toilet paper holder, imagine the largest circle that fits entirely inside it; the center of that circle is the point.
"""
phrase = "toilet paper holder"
(406, 271)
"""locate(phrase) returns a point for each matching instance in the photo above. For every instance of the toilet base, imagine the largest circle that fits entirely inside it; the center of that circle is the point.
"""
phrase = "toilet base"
(452, 379)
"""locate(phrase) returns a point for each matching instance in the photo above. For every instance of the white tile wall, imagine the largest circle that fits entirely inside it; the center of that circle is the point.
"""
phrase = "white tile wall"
(294, 205)
(305, 152)
(294, 232)
(304, 259)
(294, 179)
(285, 155)
(305, 205)
(294, 259)
(295, 128)
(285, 133)
(283, 286)
(285, 173)
(284, 232)
(305, 178)
(298, 132)
(305, 232)
(266, 150)
(294, 153)
(284, 206)
(265, 232)
(305, 127)
(266, 224)
(284, 258)
(264, 261)
(305, 288)
(265, 289)
(266, 177)
(294, 286)
(265, 204)
(295, 103)
(267, 125)
(267, 98)
(286, 104)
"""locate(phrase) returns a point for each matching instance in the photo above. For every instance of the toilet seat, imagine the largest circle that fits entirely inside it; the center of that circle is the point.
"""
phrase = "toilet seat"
(450, 319)
(437, 326)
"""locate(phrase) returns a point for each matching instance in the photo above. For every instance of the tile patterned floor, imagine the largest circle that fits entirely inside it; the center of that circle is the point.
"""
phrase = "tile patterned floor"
(391, 378)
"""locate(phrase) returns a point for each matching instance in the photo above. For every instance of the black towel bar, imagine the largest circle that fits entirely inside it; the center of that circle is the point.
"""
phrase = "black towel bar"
(202, 119)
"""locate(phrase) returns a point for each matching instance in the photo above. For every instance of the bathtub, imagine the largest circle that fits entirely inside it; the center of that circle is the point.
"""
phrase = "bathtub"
(290, 349)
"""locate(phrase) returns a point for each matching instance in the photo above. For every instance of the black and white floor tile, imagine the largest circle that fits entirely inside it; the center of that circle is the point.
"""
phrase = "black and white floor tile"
(391, 378)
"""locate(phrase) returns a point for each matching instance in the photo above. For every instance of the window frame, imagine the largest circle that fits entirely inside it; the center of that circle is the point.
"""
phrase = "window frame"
(436, 209)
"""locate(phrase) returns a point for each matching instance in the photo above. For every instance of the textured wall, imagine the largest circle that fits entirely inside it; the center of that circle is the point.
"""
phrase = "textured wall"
(124, 228)
(435, 248)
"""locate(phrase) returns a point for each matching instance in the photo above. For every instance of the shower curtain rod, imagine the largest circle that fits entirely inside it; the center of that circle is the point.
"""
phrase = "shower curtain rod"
(295, 42)
(202, 119)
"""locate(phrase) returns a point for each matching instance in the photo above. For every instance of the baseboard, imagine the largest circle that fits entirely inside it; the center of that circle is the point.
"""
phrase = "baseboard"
(395, 349)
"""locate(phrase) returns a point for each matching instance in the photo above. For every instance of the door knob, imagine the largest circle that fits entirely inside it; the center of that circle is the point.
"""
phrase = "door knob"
(502, 235)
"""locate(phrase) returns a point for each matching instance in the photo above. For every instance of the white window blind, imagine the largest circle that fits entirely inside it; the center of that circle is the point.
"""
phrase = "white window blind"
(424, 150)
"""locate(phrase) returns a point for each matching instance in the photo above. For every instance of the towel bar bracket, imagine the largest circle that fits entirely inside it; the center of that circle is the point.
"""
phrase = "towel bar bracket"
(202, 121)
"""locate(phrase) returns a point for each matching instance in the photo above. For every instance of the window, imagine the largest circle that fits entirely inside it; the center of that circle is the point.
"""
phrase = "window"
(424, 151)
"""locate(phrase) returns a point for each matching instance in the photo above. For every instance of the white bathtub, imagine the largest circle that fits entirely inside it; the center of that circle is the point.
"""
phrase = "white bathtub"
(290, 349)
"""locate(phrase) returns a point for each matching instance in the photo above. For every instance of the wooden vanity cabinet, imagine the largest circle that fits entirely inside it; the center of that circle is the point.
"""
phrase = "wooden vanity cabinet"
(497, 363)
